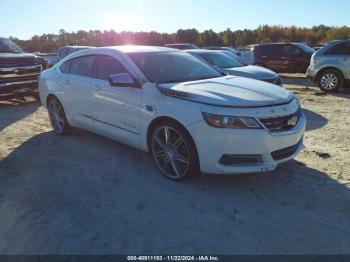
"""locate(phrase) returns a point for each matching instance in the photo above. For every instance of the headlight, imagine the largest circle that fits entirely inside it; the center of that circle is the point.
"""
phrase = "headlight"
(237, 122)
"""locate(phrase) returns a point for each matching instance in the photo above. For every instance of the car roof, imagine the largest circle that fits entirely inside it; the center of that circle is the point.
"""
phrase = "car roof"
(141, 48)
(203, 51)
(125, 49)
(76, 46)
(178, 44)
(135, 49)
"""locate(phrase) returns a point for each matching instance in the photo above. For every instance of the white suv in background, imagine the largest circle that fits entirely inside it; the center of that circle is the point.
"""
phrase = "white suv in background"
(330, 66)
(187, 114)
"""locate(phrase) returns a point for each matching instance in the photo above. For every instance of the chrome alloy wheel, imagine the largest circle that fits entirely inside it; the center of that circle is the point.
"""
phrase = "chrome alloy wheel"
(56, 116)
(329, 81)
(170, 152)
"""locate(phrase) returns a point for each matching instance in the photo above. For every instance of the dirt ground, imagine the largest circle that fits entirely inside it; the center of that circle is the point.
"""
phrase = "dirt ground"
(85, 194)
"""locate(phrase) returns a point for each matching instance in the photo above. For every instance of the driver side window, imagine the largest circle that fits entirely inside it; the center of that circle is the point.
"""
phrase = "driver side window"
(108, 66)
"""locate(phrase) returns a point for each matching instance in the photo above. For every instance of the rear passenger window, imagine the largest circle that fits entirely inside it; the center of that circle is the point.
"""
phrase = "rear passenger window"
(65, 67)
(109, 66)
(290, 50)
(339, 49)
(83, 66)
(271, 50)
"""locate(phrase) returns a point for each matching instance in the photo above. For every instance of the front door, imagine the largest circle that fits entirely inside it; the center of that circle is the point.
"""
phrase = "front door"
(115, 108)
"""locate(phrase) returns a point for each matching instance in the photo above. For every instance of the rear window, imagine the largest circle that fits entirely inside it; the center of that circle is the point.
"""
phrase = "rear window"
(307, 49)
(82, 66)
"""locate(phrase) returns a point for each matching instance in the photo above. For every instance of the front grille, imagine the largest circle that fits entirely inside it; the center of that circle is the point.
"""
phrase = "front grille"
(285, 152)
(283, 123)
(19, 79)
(6, 72)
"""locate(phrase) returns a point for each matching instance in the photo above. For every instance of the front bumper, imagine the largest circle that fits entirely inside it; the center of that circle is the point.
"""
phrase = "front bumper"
(212, 143)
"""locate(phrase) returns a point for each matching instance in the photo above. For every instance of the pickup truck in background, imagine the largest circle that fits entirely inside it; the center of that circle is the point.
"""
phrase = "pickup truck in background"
(19, 71)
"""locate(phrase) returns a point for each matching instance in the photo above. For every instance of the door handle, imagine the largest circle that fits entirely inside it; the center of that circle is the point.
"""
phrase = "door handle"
(66, 82)
(346, 59)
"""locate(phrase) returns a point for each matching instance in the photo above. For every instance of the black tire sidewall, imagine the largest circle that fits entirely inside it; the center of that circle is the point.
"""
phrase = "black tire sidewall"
(66, 126)
(193, 155)
(337, 74)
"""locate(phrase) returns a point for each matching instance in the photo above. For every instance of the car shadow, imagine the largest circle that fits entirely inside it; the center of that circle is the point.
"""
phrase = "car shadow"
(298, 80)
(344, 93)
(314, 120)
(12, 111)
(85, 194)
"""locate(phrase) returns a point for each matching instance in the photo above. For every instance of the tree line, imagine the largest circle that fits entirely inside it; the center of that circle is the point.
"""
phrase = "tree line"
(238, 38)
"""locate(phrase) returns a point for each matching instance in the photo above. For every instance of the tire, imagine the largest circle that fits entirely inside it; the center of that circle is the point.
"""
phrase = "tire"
(330, 80)
(58, 117)
(173, 151)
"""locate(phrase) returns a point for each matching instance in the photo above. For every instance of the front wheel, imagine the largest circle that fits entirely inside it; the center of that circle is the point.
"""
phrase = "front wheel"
(58, 117)
(330, 81)
(173, 151)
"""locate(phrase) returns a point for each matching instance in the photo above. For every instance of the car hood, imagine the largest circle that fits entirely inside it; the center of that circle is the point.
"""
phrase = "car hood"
(11, 59)
(229, 91)
(251, 71)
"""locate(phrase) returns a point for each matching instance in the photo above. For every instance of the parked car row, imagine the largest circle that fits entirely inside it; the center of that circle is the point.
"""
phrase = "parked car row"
(229, 65)
(189, 115)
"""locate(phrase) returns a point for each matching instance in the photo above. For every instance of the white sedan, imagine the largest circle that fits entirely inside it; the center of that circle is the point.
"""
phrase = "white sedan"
(190, 117)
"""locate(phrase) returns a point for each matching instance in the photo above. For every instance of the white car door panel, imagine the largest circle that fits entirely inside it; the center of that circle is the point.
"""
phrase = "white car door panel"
(116, 107)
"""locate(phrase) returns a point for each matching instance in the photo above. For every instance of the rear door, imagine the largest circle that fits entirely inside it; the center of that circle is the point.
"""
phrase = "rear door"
(273, 55)
(76, 83)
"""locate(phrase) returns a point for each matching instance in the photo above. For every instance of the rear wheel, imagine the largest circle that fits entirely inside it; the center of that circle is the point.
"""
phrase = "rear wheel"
(173, 151)
(330, 80)
(58, 117)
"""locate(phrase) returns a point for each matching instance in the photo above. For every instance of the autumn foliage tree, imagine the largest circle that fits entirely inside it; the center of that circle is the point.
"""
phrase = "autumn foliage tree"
(239, 38)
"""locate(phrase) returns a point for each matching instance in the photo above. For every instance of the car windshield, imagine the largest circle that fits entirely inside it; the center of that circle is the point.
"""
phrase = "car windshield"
(7, 46)
(220, 60)
(306, 49)
(172, 67)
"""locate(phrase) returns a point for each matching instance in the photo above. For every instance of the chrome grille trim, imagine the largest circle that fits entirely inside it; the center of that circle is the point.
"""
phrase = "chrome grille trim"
(18, 83)
(19, 70)
(283, 127)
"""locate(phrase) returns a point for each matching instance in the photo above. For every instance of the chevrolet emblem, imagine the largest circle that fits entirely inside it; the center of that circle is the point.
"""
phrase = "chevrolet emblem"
(293, 121)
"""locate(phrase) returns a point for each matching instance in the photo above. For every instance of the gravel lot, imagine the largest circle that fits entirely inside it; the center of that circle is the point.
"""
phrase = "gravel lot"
(85, 194)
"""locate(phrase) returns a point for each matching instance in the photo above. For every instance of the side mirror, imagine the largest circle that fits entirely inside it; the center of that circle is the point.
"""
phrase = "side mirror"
(123, 80)
(238, 53)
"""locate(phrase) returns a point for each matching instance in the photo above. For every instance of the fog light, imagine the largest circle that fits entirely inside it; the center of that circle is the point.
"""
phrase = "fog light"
(232, 160)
